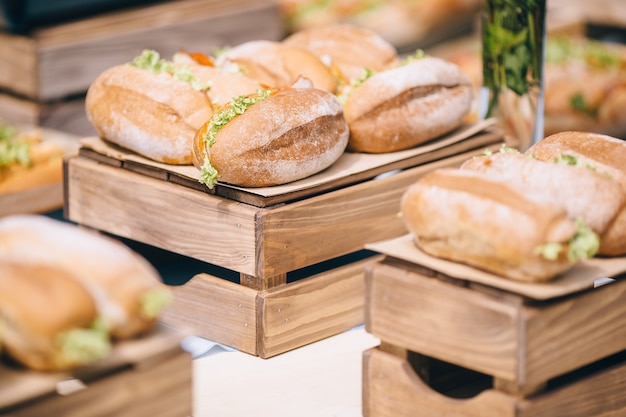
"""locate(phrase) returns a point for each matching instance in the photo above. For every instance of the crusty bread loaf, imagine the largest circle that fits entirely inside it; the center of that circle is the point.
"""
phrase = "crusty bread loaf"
(152, 114)
(40, 305)
(584, 193)
(348, 48)
(468, 217)
(275, 64)
(408, 105)
(224, 82)
(601, 153)
(289, 135)
(45, 167)
(127, 289)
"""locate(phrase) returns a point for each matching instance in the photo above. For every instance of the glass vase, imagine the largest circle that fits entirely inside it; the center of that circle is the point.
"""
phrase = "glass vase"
(513, 54)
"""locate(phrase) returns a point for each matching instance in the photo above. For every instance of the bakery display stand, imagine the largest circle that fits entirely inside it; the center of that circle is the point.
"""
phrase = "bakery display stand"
(316, 233)
(455, 345)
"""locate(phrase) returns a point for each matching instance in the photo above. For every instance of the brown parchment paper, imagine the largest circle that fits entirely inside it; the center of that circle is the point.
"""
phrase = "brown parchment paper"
(582, 276)
(347, 165)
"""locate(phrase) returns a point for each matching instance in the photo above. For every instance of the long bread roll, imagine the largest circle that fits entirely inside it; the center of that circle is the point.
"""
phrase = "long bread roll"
(405, 106)
(584, 193)
(468, 217)
(601, 153)
(275, 64)
(271, 138)
(149, 106)
(347, 49)
(127, 289)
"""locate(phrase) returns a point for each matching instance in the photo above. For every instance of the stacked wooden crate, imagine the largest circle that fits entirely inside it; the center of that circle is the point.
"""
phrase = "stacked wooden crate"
(45, 74)
(458, 342)
(297, 251)
(146, 377)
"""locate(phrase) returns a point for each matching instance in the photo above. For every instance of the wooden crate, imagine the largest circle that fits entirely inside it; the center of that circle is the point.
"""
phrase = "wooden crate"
(532, 349)
(147, 377)
(265, 238)
(62, 60)
(44, 75)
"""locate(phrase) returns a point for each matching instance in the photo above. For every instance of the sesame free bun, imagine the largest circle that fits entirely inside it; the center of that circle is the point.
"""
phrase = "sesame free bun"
(347, 48)
(292, 134)
(408, 105)
(468, 217)
(584, 193)
(154, 115)
(275, 64)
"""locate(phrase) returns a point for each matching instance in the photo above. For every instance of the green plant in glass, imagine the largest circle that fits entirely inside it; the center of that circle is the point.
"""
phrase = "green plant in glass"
(513, 38)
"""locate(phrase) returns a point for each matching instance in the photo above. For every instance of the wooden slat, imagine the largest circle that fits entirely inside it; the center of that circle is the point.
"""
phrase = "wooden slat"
(574, 332)
(217, 309)
(161, 390)
(447, 322)
(392, 389)
(161, 214)
(338, 222)
(64, 115)
(62, 60)
(311, 309)
(502, 336)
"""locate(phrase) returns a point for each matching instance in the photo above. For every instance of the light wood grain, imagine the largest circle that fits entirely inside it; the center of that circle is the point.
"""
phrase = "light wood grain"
(311, 309)
(150, 376)
(392, 389)
(447, 322)
(502, 336)
(219, 310)
(162, 214)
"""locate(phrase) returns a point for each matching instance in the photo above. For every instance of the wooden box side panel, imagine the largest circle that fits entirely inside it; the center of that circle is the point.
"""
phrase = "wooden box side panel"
(216, 309)
(18, 64)
(71, 56)
(575, 332)
(392, 389)
(161, 214)
(19, 111)
(162, 389)
(436, 319)
(598, 394)
(311, 309)
(339, 222)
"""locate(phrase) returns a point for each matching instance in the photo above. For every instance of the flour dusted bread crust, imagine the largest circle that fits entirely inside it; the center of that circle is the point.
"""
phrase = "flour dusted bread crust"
(154, 115)
(347, 48)
(127, 290)
(602, 153)
(408, 105)
(583, 192)
(274, 64)
(290, 135)
(468, 217)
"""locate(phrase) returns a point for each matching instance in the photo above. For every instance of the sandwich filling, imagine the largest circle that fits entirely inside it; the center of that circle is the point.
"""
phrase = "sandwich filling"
(236, 107)
(150, 60)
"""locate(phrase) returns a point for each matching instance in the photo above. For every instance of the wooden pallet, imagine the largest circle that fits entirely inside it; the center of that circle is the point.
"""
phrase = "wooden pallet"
(265, 235)
(147, 377)
(557, 348)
